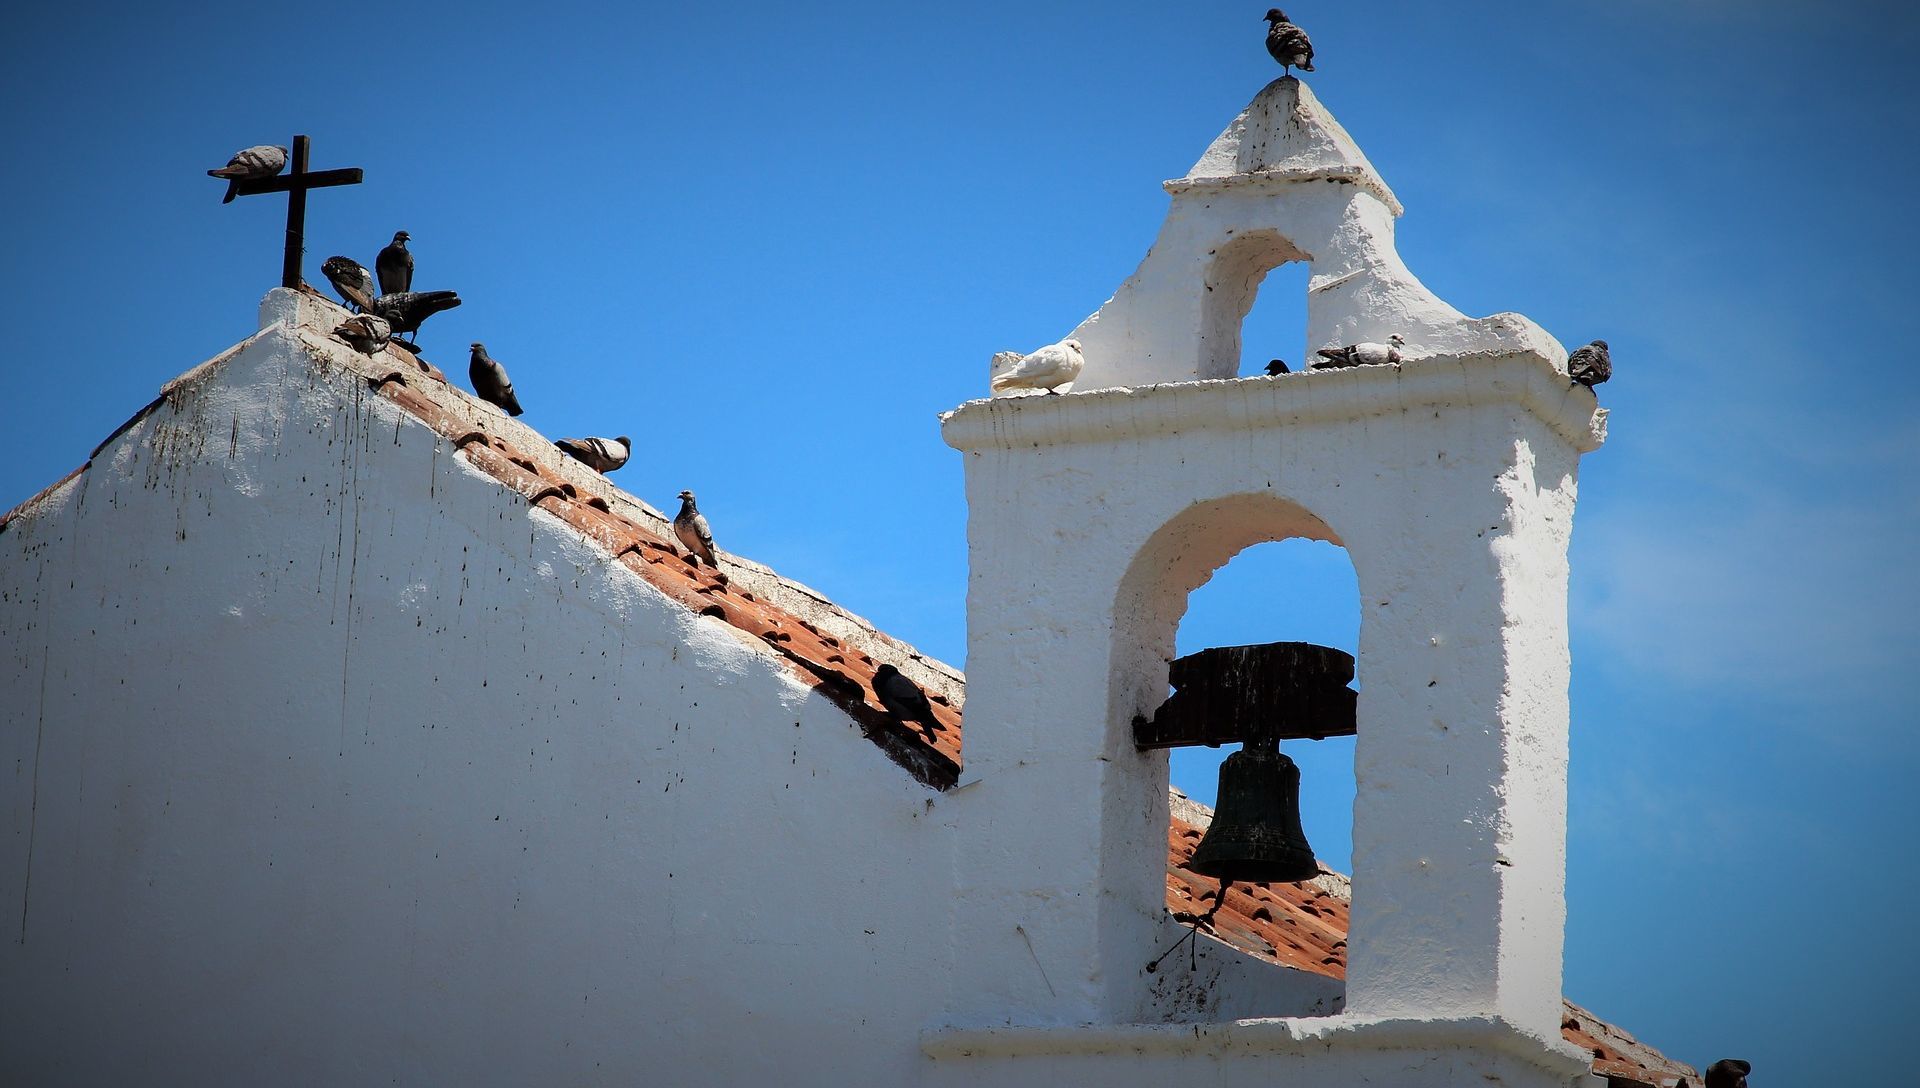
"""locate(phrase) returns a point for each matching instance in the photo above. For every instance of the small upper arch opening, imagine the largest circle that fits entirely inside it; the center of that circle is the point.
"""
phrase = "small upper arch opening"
(1235, 273)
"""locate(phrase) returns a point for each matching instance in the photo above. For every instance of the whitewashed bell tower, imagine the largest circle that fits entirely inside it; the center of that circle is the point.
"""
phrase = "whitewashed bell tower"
(1449, 479)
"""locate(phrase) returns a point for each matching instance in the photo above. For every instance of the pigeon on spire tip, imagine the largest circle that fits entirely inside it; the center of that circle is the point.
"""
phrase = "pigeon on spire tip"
(1287, 43)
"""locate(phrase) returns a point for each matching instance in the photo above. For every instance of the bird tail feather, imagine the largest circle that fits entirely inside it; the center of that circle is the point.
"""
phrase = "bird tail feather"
(1003, 362)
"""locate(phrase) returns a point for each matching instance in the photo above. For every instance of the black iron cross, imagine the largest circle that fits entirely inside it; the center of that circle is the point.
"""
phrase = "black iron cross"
(295, 183)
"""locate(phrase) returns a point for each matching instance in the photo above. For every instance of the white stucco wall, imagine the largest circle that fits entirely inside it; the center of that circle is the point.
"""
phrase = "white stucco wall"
(328, 760)
(336, 763)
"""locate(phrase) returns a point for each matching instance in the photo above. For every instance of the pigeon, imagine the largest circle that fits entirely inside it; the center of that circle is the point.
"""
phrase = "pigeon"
(1050, 367)
(602, 455)
(490, 381)
(365, 333)
(1288, 43)
(904, 699)
(690, 525)
(1277, 367)
(351, 280)
(1360, 354)
(1590, 365)
(395, 265)
(1728, 1073)
(260, 161)
(407, 309)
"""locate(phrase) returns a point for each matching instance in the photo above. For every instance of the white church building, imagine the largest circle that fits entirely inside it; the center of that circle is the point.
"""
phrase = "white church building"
(353, 734)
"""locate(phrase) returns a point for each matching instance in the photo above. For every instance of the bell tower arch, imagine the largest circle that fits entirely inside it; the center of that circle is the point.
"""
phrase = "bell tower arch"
(1449, 479)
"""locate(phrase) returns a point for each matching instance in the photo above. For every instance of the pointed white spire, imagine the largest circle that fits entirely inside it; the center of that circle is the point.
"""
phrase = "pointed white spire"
(1285, 134)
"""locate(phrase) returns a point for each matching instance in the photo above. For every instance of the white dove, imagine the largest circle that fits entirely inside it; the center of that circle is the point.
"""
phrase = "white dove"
(1048, 368)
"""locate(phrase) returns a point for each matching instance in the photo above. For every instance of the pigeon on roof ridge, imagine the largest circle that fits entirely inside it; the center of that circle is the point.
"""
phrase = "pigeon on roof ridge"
(490, 381)
(394, 265)
(602, 455)
(408, 310)
(691, 527)
(351, 281)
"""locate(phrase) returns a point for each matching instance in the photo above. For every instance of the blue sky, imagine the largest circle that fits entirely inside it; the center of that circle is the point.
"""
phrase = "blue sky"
(772, 243)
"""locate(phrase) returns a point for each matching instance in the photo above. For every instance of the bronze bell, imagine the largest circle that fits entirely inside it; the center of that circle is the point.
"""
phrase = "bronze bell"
(1255, 837)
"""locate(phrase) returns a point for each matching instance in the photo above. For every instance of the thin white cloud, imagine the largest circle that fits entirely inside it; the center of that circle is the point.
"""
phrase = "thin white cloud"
(1791, 594)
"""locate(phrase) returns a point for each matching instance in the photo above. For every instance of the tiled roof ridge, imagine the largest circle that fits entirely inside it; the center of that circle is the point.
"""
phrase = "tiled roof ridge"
(823, 646)
(813, 637)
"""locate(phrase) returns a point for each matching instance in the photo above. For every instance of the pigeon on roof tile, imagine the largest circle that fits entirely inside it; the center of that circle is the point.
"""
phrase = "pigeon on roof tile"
(407, 310)
(351, 281)
(259, 161)
(395, 265)
(1590, 365)
(364, 333)
(490, 381)
(904, 699)
(1728, 1073)
(1277, 367)
(1368, 354)
(690, 525)
(1048, 368)
(602, 455)
(1288, 43)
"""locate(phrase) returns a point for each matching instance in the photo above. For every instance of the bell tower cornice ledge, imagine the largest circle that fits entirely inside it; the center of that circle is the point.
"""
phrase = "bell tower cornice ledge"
(1525, 381)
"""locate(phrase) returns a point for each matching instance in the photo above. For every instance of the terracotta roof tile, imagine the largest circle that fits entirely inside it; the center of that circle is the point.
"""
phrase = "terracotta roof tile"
(1304, 926)
(540, 475)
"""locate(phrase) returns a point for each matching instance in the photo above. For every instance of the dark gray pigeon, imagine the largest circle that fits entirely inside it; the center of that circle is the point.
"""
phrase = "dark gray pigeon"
(1590, 365)
(602, 455)
(1288, 43)
(904, 699)
(1368, 354)
(395, 265)
(259, 161)
(1728, 1073)
(690, 525)
(490, 381)
(407, 309)
(364, 333)
(350, 280)
(1277, 366)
